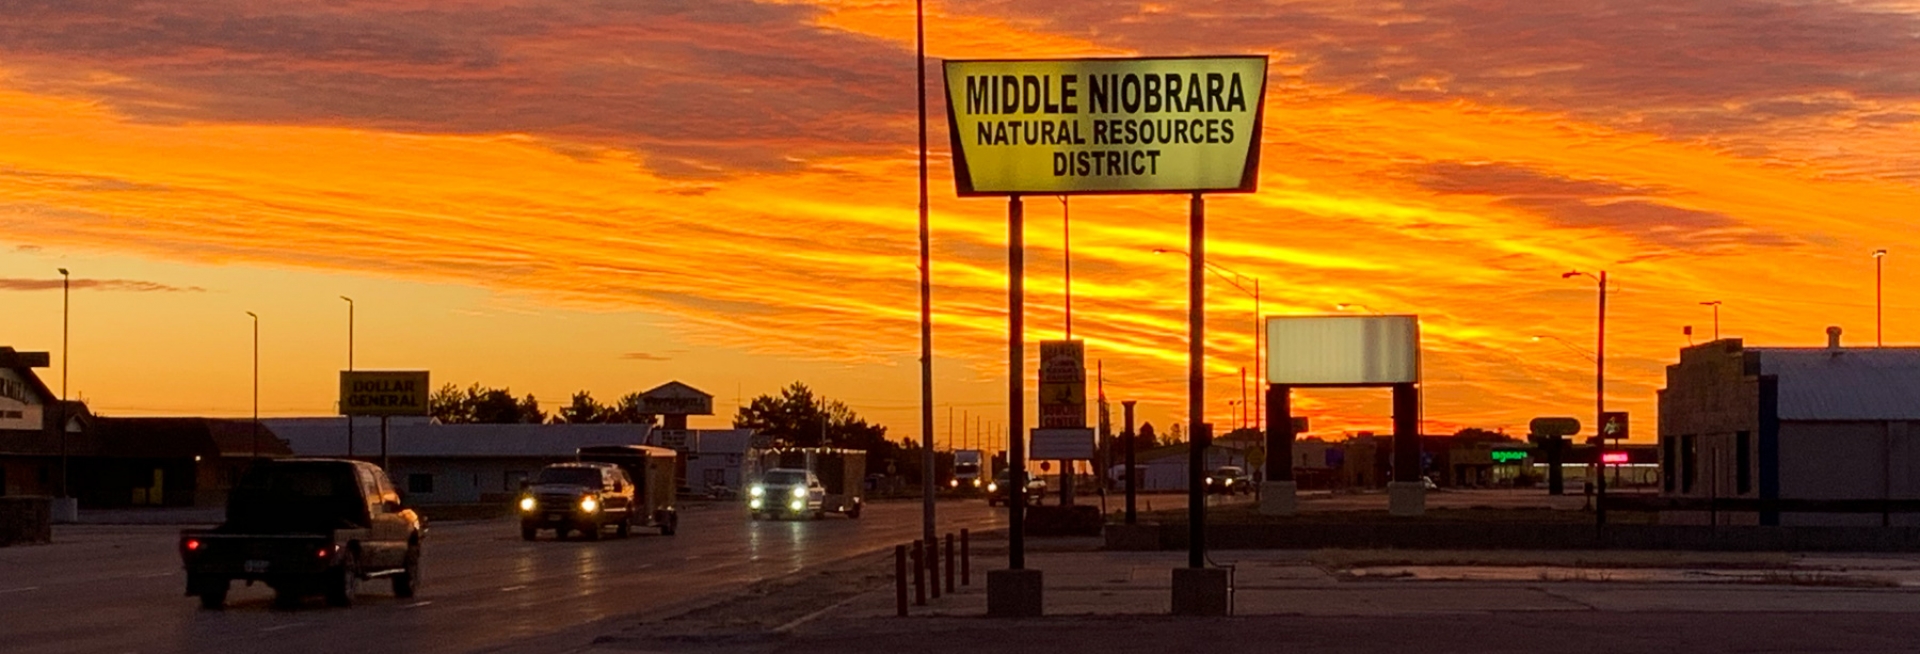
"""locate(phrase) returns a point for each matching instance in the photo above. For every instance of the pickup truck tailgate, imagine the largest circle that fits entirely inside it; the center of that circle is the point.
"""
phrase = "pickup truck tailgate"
(248, 555)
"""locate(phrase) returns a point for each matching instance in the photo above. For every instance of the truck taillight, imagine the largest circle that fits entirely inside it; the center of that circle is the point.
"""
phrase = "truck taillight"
(193, 544)
(325, 552)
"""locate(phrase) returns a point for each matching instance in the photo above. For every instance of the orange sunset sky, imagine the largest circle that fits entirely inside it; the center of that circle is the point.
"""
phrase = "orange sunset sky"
(557, 196)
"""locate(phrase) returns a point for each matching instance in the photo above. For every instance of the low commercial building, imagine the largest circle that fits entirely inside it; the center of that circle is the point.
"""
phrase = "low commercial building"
(454, 464)
(1792, 423)
(114, 462)
(712, 459)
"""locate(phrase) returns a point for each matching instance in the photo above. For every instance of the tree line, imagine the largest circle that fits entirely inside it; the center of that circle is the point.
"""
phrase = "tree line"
(478, 404)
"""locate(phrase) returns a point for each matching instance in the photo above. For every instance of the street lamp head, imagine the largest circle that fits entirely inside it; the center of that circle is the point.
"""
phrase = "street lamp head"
(1879, 253)
(255, 317)
(63, 272)
(348, 299)
(1710, 303)
(1570, 273)
(1161, 250)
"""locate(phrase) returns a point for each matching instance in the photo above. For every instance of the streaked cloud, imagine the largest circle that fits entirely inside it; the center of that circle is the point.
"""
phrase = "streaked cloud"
(746, 172)
(127, 285)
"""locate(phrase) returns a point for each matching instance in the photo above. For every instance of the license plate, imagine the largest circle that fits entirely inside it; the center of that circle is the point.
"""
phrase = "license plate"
(255, 566)
(554, 517)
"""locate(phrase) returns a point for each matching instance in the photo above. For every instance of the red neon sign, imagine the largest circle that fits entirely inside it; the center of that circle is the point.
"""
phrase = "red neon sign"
(1613, 457)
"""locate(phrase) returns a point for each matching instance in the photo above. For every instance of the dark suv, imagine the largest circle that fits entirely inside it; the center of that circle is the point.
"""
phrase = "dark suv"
(583, 497)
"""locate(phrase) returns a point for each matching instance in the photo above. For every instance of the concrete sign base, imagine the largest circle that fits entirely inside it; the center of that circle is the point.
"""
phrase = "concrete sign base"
(65, 510)
(1279, 498)
(1014, 593)
(1406, 498)
(1200, 591)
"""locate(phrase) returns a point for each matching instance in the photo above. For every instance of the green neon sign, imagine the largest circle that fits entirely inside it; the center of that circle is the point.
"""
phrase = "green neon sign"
(1508, 456)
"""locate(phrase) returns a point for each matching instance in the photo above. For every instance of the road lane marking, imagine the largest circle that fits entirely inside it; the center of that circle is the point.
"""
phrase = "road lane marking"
(416, 605)
(284, 626)
(512, 588)
(157, 574)
(21, 589)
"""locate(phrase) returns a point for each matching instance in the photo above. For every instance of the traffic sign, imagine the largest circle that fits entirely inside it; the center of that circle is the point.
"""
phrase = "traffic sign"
(1614, 426)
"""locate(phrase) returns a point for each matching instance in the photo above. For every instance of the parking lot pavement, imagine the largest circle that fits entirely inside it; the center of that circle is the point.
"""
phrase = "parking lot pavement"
(1115, 602)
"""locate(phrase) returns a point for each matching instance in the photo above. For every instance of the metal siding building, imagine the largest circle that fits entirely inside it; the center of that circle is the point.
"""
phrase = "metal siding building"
(1830, 423)
(454, 464)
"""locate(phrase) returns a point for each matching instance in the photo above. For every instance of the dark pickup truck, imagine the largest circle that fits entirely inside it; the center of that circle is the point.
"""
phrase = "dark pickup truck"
(305, 527)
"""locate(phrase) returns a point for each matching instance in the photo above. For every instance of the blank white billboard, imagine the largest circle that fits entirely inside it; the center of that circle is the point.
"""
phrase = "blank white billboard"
(1343, 350)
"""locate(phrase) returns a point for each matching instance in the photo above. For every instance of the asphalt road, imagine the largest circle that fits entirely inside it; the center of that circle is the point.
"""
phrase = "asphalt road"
(120, 588)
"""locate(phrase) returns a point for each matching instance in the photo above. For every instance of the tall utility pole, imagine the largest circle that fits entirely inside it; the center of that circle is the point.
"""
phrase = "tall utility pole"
(66, 362)
(926, 283)
(256, 384)
(349, 369)
(1879, 332)
(1066, 249)
(1716, 317)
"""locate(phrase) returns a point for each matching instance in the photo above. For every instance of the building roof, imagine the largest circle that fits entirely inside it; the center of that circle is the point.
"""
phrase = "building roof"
(419, 438)
(1844, 384)
(185, 437)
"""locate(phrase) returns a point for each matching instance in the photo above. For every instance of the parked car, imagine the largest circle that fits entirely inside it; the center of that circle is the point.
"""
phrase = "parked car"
(998, 490)
(782, 492)
(583, 497)
(1229, 480)
(305, 527)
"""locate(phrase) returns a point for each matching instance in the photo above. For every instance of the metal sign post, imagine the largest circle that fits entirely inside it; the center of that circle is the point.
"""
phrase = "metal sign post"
(1016, 389)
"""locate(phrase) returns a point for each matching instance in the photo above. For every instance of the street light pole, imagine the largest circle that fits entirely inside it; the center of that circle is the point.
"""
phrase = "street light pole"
(1599, 396)
(1879, 338)
(349, 369)
(1236, 280)
(256, 384)
(66, 362)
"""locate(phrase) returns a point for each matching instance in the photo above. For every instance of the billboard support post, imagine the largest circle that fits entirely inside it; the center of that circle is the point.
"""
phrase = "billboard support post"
(1127, 435)
(1196, 382)
(1016, 387)
(1279, 493)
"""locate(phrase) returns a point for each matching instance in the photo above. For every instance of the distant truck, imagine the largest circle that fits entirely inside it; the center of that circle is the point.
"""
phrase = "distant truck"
(839, 472)
(306, 527)
(967, 466)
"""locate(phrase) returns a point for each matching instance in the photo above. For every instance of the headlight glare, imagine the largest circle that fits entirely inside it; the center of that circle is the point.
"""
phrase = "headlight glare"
(757, 491)
(526, 504)
(799, 492)
(589, 505)
(798, 505)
